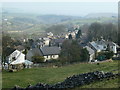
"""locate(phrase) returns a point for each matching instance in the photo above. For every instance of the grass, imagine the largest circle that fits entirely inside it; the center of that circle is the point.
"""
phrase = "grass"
(51, 75)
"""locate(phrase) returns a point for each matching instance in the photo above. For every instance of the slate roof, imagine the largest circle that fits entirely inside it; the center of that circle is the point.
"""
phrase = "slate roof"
(50, 50)
(101, 45)
(36, 51)
(111, 43)
(94, 45)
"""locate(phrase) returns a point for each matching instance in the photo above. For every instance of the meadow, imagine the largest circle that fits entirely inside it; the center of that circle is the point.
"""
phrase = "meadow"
(53, 75)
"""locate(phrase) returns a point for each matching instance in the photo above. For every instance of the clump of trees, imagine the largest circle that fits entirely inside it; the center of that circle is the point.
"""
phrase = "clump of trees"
(38, 59)
(108, 31)
(56, 29)
(72, 52)
(7, 46)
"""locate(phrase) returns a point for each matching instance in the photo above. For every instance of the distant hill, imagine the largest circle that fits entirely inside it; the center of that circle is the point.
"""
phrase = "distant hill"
(53, 19)
(98, 15)
(36, 23)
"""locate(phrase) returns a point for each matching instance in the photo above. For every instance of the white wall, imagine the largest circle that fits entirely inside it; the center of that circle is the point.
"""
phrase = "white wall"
(20, 57)
(114, 49)
(51, 57)
(46, 42)
(91, 57)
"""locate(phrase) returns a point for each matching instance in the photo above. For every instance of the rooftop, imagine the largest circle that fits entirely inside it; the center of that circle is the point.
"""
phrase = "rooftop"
(50, 50)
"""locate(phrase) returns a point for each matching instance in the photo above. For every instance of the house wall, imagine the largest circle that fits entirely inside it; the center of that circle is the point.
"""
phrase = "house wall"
(73, 34)
(114, 49)
(20, 58)
(17, 54)
(66, 36)
(51, 57)
(102, 47)
(91, 57)
(46, 42)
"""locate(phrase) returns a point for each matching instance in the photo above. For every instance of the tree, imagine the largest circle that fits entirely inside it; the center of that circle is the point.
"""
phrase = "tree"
(72, 52)
(17, 42)
(109, 31)
(109, 54)
(38, 59)
(56, 29)
(94, 31)
(7, 46)
(84, 55)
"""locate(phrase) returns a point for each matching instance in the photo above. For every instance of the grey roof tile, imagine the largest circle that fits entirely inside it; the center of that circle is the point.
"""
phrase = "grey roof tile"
(50, 50)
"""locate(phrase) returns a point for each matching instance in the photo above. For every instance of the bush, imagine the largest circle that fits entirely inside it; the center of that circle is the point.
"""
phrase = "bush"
(105, 55)
(38, 59)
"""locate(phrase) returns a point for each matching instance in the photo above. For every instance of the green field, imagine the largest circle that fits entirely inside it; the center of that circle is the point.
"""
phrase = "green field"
(52, 75)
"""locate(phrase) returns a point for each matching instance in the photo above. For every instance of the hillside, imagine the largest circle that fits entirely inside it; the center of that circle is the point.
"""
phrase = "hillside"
(44, 74)
(35, 23)
(54, 19)
(99, 15)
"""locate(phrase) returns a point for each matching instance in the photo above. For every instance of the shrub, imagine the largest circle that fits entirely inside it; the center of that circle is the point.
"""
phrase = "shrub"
(105, 55)
(38, 59)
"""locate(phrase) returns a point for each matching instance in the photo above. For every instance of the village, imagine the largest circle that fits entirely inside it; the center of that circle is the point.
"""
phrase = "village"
(48, 49)
(59, 45)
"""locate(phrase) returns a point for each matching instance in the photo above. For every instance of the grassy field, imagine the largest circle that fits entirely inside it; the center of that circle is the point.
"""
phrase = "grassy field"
(52, 75)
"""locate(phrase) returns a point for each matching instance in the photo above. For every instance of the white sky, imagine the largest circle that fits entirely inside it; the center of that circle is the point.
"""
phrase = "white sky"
(59, 0)
(63, 7)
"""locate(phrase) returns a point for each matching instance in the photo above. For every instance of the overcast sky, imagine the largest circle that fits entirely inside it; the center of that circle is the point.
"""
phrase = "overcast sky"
(64, 8)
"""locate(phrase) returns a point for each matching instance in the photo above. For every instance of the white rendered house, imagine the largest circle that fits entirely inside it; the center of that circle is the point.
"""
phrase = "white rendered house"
(16, 57)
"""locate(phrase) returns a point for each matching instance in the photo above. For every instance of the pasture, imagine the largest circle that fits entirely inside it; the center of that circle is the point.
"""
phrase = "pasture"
(53, 75)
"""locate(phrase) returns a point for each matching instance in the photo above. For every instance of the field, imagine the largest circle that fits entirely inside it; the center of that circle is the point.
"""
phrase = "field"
(52, 75)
